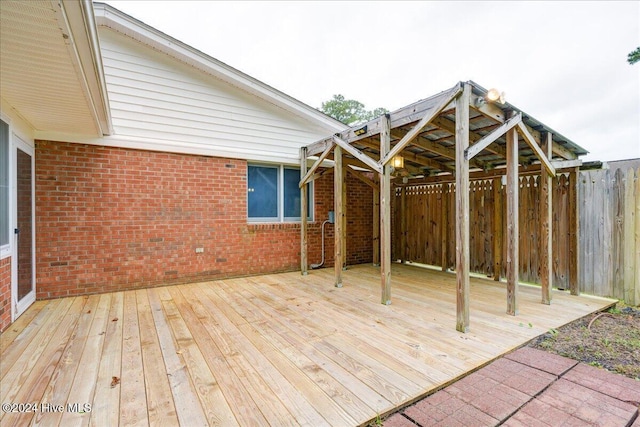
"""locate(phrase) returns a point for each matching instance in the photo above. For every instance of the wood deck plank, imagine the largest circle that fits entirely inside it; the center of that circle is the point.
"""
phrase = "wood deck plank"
(106, 409)
(133, 399)
(346, 389)
(61, 380)
(24, 380)
(24, 324)
(85, 381)
(207, 390)
(160, 405)
(245, 411)
(185, 398)
(292, 398)
(33, 335)
(280, 349)
(248, 374)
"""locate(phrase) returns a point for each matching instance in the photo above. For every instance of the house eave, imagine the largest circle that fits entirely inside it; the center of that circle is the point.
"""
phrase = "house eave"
(113, 19)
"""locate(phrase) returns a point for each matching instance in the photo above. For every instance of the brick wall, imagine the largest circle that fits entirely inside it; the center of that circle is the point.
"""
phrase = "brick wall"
(5, 293)
(111, 219)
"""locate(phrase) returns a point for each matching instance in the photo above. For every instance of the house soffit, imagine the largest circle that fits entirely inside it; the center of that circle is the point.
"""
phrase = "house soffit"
(51, 72)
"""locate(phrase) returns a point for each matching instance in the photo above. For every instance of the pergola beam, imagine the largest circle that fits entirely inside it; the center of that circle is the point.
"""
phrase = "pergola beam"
(430, 115)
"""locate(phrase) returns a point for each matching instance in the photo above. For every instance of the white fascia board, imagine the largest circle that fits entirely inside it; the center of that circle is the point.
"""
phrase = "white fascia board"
(77, 21)
(112, 18)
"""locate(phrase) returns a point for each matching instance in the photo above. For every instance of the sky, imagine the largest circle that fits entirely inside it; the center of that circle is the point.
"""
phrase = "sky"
(563, 63)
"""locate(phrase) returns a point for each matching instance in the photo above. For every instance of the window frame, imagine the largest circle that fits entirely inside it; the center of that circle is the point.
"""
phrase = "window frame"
(280, 189)
(6, 249)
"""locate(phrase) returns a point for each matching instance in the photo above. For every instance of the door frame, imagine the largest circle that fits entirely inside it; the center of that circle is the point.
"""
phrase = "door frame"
(19, 307)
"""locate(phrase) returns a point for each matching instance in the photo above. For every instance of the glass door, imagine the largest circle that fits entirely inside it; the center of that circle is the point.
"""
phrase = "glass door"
(24, 249)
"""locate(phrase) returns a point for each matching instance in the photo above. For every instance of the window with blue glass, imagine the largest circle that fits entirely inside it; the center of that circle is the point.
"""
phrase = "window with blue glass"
(273, 194)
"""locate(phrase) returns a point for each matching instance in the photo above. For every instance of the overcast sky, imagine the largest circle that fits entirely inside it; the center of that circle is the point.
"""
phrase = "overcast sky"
(563, 63)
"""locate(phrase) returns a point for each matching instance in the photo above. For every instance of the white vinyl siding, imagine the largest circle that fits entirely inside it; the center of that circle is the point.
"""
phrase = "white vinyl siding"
(154, 97)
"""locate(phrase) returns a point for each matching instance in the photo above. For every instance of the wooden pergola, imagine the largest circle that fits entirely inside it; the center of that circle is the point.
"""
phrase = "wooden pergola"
(462, 131)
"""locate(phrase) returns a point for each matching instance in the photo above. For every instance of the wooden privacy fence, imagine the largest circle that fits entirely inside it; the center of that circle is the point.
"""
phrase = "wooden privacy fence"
(609, 244)
(610, 232)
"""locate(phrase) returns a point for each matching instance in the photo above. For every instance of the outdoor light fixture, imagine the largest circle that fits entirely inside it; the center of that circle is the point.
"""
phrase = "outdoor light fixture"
(495, 95)
(398, 162)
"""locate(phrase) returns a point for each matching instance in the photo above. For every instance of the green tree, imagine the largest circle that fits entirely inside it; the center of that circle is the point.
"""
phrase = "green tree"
(349, 111)
(634, 56)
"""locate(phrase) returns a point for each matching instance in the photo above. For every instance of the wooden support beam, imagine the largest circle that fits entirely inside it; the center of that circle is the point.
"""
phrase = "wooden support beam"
(430, 115)
(319, 146)
(403, 225)
(563, 164)
(360, 176)
(474, 137)
(513, 185)
(402, 117)
(546, 242)
(310, 173)
(385, 215)
(574, 244)
(376, 226)
(533, 144)
(444, 226)
(303, 214)
(462, 211)
(497, 228)
(372, 164)
(476, 148)
(345, 211)
(338, 205)
(412, 157)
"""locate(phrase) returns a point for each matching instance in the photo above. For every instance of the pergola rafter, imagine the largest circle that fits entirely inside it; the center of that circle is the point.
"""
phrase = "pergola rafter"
(447, 135)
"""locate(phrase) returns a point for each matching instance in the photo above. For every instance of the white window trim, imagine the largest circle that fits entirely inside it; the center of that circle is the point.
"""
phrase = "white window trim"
(6, 250)
(281, 218)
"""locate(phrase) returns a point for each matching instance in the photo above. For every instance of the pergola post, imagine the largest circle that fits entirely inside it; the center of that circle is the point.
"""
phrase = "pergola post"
(497, 229)
(546, 242)
(344, 222)
(338, 176)
(574, 219)
(385, 214)
(462, 211)
(403, 225)
(512, 222)
(376, 227)
(444, 235)
(303, 213)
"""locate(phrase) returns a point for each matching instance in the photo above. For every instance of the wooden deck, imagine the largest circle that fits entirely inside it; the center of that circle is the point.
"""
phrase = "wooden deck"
(269, 350)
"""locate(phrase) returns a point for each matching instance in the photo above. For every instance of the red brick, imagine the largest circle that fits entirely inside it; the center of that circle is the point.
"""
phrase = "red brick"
(113, 219)
(542, 360)
(397, 420)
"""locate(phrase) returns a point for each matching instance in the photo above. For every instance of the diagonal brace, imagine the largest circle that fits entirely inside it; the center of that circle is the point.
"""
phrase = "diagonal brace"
(528, 138)
(358, 154)
(476, 148)
(318, 162)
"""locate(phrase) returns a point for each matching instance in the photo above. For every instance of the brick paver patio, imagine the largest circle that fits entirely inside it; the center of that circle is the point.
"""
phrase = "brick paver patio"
(529, 388)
